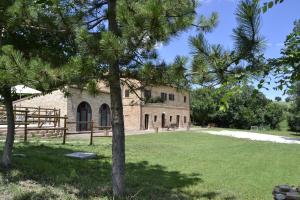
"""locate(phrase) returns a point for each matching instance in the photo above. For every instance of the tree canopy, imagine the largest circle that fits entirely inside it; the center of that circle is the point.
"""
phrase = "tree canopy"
(286, 68)
(34, 38)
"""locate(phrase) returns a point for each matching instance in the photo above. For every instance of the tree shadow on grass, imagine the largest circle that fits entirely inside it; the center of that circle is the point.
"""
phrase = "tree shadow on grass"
(47, 167)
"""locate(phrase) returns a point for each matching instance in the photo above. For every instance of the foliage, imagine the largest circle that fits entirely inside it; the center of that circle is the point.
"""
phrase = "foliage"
(141, 25)
(214, 65)
(268, 5)
(294, 111)
(34, 37)
(274, 114)
(278, 99)
(286, 68)
(203, 105)
(245, 108)
(294, 121)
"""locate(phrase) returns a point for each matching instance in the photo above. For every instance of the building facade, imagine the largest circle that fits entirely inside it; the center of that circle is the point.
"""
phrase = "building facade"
(160, 107)
(153, 107)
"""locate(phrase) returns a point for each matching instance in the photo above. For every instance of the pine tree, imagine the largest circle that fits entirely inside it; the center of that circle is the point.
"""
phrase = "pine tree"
(35, 36)
(214, 65)
(117, 43)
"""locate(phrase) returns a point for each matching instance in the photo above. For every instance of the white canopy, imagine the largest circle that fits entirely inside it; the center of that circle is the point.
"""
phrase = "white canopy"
(22, 89)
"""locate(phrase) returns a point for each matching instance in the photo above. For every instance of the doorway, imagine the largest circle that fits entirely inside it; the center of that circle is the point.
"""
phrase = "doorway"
(104, 116)
(84, 117)
(163, 120)
(146, 121)
(177, 120)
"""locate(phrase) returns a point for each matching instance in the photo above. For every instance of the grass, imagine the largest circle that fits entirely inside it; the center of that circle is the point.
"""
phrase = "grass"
(181, 165)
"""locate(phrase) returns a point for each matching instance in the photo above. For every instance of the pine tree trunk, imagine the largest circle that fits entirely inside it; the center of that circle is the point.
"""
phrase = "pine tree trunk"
(118, 138)
(10, 137)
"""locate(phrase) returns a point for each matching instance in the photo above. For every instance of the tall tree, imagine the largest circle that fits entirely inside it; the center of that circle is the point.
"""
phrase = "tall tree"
(34, 37)
(117, 43)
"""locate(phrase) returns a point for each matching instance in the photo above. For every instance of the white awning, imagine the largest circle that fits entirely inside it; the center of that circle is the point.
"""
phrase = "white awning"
(22, 89)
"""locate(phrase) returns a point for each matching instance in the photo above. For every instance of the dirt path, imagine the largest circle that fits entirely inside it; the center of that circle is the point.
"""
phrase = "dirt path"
(255, 136)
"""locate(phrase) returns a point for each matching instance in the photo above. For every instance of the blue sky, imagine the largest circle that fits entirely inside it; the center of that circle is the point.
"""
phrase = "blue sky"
(277, 23)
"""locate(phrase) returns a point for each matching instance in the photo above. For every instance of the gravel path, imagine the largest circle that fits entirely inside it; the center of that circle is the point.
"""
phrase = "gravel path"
(255, 136)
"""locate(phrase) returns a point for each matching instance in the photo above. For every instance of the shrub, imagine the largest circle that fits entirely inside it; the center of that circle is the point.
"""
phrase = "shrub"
(274, 114)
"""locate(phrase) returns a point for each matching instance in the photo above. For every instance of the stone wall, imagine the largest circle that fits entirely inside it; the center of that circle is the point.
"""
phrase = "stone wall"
(170, 113)
(134, 109)
(79, 96)
(52, 100)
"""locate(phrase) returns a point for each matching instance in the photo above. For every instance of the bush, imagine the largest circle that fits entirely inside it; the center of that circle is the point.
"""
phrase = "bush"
(294, 122)
(274, 114)
(245, 109)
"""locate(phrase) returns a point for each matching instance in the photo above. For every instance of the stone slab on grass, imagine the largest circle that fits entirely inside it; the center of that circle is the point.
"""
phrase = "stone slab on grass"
(82, 155)
(19, 155)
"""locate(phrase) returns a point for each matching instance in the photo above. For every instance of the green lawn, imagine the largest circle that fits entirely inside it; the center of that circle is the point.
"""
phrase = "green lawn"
(159, 166)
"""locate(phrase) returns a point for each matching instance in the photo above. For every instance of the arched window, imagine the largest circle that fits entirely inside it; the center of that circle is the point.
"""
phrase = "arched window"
(84, 117)
(104, 115)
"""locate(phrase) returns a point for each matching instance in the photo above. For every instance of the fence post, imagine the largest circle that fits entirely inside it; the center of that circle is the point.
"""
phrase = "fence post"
(25, 125)
(58, 118)
(15, 112)
(92, 127)
(106, 131)
(39, 113)
(65, 129)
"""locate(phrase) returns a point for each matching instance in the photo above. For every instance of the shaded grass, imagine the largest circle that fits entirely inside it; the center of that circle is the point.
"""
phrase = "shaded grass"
(178, 165)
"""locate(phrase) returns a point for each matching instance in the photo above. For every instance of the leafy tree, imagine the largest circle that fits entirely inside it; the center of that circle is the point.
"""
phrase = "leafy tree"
(204, 104)
(286, 67)
(274, 114)
(246, 108)
(33, 39)
(294, 111)
(277, 99)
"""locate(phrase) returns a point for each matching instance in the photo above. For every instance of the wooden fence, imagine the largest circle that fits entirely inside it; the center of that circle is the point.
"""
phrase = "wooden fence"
(46, 116)
(25, 116)
(92, 128)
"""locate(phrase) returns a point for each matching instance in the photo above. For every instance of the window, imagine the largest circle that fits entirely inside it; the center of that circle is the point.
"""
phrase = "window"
(84, 117)
(184, 119)
(163, 96)
(171, 97)
(104, 115)
(184, 99)
(147, 94)
(170, 118)
(155, 118)
(126, 93)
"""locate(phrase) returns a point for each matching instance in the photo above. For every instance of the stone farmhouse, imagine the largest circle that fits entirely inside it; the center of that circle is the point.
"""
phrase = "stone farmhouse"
(154, 107)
